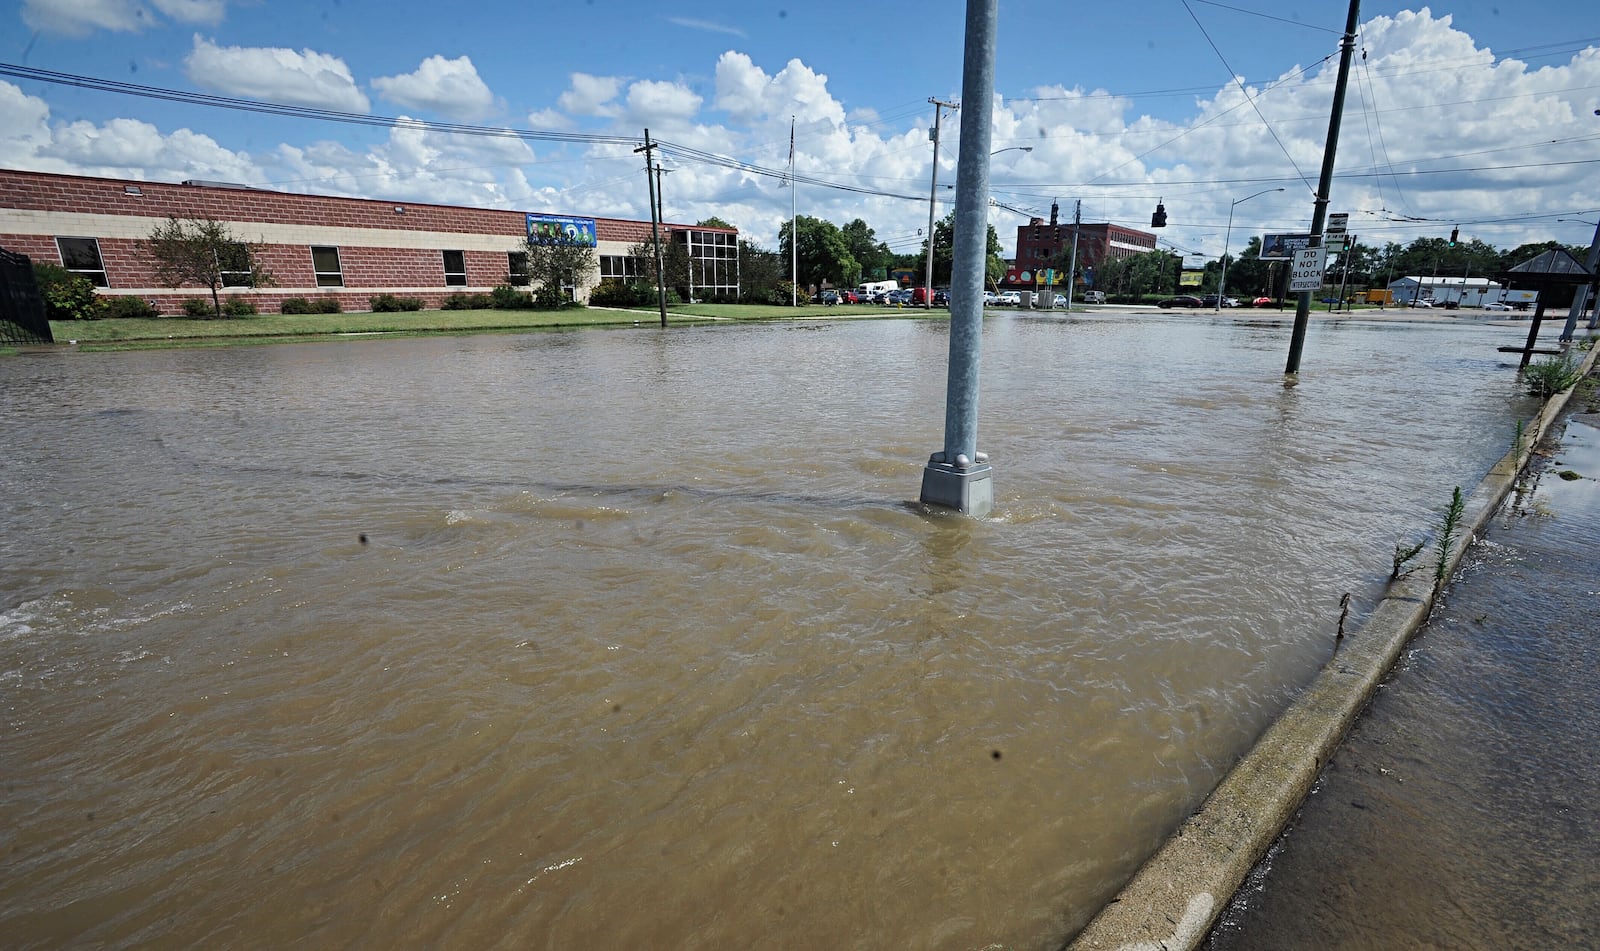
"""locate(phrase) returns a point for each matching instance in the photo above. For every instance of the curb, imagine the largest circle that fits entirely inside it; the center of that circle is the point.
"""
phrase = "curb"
(1173, 900)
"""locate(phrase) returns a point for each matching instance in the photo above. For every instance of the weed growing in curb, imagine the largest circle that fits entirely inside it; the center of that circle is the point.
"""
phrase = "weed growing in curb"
(1402, 555)
(1549, 377)
(1448, 526)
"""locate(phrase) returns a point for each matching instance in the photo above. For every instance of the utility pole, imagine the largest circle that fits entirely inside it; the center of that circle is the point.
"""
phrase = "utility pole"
(1072, 265)
(933, 198)
(1302, 309)
(655, 224)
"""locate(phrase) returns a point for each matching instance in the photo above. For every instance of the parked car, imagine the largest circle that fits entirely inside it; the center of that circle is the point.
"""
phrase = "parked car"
(1497, 305)
(1182, 300)
(1009, 298)
(900, 297)
(1211, 300)
(849, 297)
(1061, 300)
(1094, 297)
(1262, 302)
(1422, 302)
(828, 297)
(941, 298)
(990, 297)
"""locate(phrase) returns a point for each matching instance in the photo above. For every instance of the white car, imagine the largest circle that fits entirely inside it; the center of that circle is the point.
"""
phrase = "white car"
(1497, 305)
(990, 297)
(1010, 297)
(1061, 300)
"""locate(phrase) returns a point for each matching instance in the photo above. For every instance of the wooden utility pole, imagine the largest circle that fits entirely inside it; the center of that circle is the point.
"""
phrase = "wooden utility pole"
(1319, 214)
(655, 224)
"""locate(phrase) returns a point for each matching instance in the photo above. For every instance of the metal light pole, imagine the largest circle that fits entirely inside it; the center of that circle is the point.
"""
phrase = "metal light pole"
(1222, 286)
(959, 476)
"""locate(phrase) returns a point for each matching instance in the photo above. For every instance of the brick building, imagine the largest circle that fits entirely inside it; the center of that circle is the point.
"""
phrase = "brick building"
(1043, 246)
(317, 246)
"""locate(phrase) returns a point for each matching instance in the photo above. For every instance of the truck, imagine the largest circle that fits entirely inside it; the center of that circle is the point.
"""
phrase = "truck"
(870, 288)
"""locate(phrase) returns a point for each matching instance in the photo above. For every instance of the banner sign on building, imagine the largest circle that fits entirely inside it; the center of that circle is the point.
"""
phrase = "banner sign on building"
(1305, 274)
(1281, 247)
(559, 229)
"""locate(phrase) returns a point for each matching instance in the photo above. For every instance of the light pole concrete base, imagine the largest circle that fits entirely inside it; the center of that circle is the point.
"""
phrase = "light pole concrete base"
(969, 491)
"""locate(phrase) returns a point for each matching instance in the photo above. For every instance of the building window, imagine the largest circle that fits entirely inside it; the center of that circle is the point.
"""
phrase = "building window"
(81, 256)
(618, 267)
(517, 273)
(233, 263)
(325, 262)
(455, 268)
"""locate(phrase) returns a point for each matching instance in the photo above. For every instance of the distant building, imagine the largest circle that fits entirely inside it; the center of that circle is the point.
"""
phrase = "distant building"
(319, 246)
(1465, 291)
(1044, 247)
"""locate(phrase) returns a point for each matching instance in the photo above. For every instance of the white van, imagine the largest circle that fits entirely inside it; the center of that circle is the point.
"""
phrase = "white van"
(1094, 297)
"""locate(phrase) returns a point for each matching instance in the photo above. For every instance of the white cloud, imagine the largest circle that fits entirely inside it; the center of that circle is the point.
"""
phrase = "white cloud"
(548, 119)
(450, 87)
(306, 78)
(658, 103)
(591, 96)
(82, 17)
(209, 12)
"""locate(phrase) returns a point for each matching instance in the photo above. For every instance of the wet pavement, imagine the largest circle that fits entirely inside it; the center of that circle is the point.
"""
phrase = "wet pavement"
(1459, 812)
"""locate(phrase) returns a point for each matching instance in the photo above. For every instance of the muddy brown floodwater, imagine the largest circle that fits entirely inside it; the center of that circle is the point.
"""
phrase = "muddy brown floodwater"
(637, 639)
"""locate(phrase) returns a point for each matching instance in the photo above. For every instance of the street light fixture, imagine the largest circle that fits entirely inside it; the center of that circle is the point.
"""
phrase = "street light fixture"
(1222, 285)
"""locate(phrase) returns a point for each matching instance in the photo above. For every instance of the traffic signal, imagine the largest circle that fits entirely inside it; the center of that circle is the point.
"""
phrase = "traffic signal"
(1454, 234)
(1159, 219)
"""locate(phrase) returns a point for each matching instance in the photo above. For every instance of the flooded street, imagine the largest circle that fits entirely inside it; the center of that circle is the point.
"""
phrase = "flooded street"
(637, 639)
(1459, 812)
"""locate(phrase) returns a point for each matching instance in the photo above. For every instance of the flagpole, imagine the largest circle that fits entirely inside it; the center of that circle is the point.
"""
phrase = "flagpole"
(794, 239)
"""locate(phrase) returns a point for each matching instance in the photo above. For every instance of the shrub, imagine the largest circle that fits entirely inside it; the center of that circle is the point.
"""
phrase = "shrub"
(506, 297)
(617, 294)
(326, 305)
(127, 308)
(389, 303)
(294, 305)
(67, 296)
(198, 307)
(239, 307)
(463, 301)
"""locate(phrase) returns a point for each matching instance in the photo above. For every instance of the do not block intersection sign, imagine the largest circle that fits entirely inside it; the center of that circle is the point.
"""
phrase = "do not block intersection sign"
(1305, 271)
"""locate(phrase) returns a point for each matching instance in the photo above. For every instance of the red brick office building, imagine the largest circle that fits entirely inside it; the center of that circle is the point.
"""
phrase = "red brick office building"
(318, 246)
(1047, 246)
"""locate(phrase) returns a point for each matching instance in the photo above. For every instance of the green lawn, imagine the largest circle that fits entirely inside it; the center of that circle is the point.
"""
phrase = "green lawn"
(278, 328)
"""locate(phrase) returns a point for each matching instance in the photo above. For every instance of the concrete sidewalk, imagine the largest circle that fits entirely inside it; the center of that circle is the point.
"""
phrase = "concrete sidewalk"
(1177, 895)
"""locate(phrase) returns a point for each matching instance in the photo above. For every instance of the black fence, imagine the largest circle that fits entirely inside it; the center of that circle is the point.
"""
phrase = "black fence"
(22, 317)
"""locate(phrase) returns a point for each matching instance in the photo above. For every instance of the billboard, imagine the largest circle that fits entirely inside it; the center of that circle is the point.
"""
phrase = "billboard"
(1281, 247)
(560, 229)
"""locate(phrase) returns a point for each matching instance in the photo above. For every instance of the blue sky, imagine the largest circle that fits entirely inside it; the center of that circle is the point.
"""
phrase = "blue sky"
(1479, 115)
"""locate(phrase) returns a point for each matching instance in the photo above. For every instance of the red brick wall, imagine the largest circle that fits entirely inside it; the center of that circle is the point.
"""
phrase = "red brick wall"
(367, 270)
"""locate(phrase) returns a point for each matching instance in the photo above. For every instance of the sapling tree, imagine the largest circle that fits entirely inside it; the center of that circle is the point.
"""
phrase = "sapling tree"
(205, 252)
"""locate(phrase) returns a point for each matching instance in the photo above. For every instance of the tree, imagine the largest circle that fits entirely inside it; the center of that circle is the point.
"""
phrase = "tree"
(204, 251)
(555, 261)
(760, 273)
(674, 264)
(873, 256)
(823, 254)
(944, 231)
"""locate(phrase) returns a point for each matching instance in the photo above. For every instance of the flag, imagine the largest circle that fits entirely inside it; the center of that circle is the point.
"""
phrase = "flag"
(791, 141)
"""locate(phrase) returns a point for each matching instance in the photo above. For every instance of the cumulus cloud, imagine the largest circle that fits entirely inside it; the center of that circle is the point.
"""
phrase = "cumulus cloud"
(82, 17)
(657, 102)
(591, 96)
(305, 78)
(449, 87)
